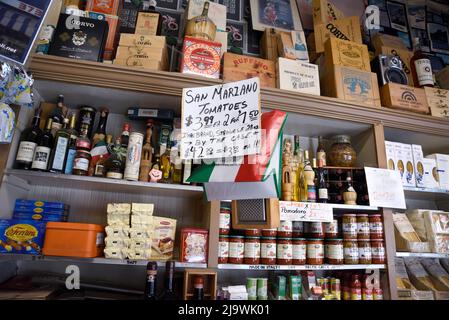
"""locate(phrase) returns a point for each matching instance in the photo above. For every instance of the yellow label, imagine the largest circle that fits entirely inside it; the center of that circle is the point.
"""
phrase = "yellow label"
(39, 204)
(36, 217)
(38, 210)
(21, 232)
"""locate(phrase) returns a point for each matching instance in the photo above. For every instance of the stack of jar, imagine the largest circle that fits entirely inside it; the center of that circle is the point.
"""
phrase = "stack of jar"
(356, 286)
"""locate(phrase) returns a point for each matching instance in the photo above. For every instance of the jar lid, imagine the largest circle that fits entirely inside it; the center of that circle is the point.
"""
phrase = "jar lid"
(350, 240)
(268, 238)
(284, 238)
(298, 239)
(341, 138)
(336, 239)
(83, 151)
(252, 238)
(314, 239)
(362, 215)
(349, 215)
(234, 236)
(87, 108)
(363, 240)
(377, 240)
(375, 215)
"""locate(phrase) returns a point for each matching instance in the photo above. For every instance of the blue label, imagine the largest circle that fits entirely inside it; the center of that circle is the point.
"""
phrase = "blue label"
(69, 162)
(58, 161)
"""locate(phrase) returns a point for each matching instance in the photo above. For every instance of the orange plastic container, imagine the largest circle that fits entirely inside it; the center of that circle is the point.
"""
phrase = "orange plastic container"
(68, 239)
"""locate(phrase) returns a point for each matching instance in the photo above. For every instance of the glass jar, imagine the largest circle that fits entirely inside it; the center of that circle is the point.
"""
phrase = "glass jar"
(363, 230)
(364, 251)
(331, 229)
(284, 251)
(269, 232)
(253, 232)
(315, 251)
(334, 251)
(81, 163)
(341, 153)
(314, 230)
(268, 250)
(349, 226)
(223, 249)
(285, 229)
(298, 229)
(376, 227)
(351, 252)
(252, 250)
(377, 252)
(236, 249)
(299, 251)
(225, 220)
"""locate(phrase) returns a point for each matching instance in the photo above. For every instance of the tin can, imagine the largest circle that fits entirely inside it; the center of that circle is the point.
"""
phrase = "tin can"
(262, 288)
(133, 156)
(251, 288)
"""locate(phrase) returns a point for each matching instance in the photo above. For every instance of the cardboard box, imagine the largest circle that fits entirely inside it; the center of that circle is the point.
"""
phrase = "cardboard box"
(398, 96)
(430, 178)
(345, 29)
(140, 63)
(442, 163)
(379, 40)
(142, 41)
(237, 67)
(158, 54)
(406, 294)
(147, 23)
(405, 56)
(298, 76)
(438, 101)
(21, 236)
(347, 54)
(324, 12)
(103, 6)
(201, 57)
(399, 156)
(391, 160)
(418, 157)
(350, 84)
(409, 169)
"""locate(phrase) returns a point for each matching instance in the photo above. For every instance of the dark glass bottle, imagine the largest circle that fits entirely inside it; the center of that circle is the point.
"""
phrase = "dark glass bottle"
(321, 153)
(57, 115)
(59, 154)
(28, 143)
(169, 291)
(100, 134)
(71, 151)
(198, 288)
(150, 286)
(322, 186)
(421, 67)
(124, 139)
(150, 13)
(115, 164)
(43, 149)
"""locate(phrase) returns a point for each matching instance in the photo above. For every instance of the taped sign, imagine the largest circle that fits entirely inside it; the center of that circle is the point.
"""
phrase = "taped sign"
(221, 121)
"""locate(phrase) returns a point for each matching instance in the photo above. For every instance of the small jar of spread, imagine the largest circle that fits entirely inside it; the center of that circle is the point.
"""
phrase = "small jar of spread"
(268, 250)
(269, 232)
(377, 252)
(351, 252)
(349, 226)
(315, 251)
(81, 163)
(376, 227)
(363, 229)
(236, 249)
(285, 229)
(364, 251)
(334, 251)
(225, 220)
(253, 232)
(284, 251)
(223, 249)
(252, 250)
(298, 229)
(299, 251)
(315, 230)
(331, 229)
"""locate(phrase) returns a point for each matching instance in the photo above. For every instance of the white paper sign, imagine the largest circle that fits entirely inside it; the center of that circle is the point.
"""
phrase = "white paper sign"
(221, 121)
(385, 188)
(305, 211)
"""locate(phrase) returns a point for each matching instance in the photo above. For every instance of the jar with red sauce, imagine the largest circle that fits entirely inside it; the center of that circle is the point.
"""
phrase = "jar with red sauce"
(269, 232)
(315, 230)
(315, 251)
(253, 232)
(377, 252)
(225, 220)
(376, 227)
(364, 251)
(334, 251)
(268, 250)
(236, 249)
(223, 249)
(331, 229)
(285, 229)
(298, 229)
(299, 249)
(252, 250)
(284, 251)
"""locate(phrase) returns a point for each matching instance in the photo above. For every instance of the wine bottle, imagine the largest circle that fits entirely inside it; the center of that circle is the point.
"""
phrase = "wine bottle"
(57, 115)
(116, 162)
(149, 20)
(43, 149)
(59, 154)
(124, 139)
(150, 287)
(71, 151)
(322, 186)
(321, 153)
(421, 67)
(169, 292)
(28, 143)
(99, 146)
(198, 288)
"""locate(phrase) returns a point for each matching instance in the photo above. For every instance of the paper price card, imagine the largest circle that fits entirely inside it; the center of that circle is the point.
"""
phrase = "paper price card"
(385, 188)
(305, 211)
(221, 121)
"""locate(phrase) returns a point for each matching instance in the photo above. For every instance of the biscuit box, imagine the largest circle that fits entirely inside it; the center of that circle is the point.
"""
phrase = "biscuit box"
(21, 236)
(21, 203)
(43, 214)
(201, 57)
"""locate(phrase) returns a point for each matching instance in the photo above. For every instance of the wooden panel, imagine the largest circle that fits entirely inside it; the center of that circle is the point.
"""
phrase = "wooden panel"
(213, 211)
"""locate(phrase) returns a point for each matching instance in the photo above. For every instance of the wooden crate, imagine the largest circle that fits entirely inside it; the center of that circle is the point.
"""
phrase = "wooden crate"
(324, 12)
(380, 40)
(346, 29)
(269, 44)
(237, 67)
(271, 211)
(443, 78)
(152, 54)
(438, 101)
(298, 76)
(405, 56)
(210, 283)
(129, 40)
(347, 54)
(397, 96)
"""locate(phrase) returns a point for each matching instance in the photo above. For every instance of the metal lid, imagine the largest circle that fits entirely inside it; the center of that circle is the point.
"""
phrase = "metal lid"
(342, 138)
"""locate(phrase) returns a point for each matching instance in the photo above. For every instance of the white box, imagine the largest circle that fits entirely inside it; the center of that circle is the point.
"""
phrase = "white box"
(442, 164)
(418, 157)
(400, 161)
(430, 174)
(298, 76)
(389, 149)
(409, 168)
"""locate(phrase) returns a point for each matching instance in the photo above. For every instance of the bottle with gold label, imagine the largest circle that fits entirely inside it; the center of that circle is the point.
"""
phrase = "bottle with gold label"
(166, 165)
(202, 26)
(287, 181)
(321, 153)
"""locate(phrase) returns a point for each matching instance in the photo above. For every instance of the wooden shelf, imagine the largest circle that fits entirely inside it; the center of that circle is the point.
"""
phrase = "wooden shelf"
(303, 267)
(426, 193)
(423, 255)
(94, 74)
(104, 184)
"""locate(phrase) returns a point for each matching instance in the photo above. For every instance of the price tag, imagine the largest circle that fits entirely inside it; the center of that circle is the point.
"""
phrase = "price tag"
(305, 211)
(385, 188)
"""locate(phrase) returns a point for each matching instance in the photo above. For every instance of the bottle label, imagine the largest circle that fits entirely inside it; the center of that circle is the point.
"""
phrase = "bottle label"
(299, 251)
(83, 143)
(351, 253)
(69, 163)
(376, 227)
(284, 251)
(268, 250)
(315, 251)
(223, 249)
(252, 250)
(356, 294)
(61, 147)
(315, 227)
(55, 127)
(331, 227)
(26, 151)
(81, 164)
(334, 252)
(41, 156)
(365, 253)
(367, 294)
(424, 72)
(321, 158)
(311, 193)
(363, 227)
(350, 228)
(225, 221)
(114, 175)
(298, 226)
(236, 250)
(378, 252)
(286, 226)
(322, 193)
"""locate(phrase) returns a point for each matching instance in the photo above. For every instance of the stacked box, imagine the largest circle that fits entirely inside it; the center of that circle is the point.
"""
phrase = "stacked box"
(21, 236)
(442, 163)
(237, 67)
(438, 101)
(141, 231)
(117, 231)
(41, 210)
(298, 76)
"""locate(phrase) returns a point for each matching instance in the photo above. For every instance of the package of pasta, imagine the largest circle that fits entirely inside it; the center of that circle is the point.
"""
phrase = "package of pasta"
(439, 276)
(141, 233)
(115, 253)
(145, 222)
(139, 254)
(141, 244)
(418, 275)
(402, 280)
(117, 231)
(142, 209)
(118, 219)
(121, 208)
(117, 242)
(193, 245)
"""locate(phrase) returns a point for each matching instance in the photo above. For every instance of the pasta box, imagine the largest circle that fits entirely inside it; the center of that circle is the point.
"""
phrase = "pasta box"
(201, 57)
(79, 38)
(345, 29)
(21, 203)
(438, 101)
(21, 236)
(346, 53)
(398, 96)
(194, 245)
(42, 214)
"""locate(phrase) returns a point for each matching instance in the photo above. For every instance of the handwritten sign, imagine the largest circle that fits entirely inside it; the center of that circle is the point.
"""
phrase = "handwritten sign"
(385, 188)
(221, 121)
(305, 211)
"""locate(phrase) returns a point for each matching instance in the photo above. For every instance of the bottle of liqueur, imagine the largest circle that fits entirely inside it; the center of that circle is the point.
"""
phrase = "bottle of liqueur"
(43, 149)
(150, 286)
(58, 158)
(169, 292)
(115, 164)
(28, 143)
(177, 168)
(349, 195)
(198, 288)
(149, 20)
(309, 176)
(322, 186)
(202, 26)
(420, 67)
(71, 151)
(147, 153)
(298, 168)
(321, 153)
(124, 139)
(57, 115)
(100, 166)
(99, 146)
(166, 165)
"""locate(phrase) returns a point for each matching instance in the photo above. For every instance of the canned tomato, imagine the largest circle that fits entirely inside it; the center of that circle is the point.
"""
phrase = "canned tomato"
(133, 156)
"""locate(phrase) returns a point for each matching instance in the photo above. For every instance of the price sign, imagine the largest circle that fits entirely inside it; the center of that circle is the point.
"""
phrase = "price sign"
(221, 121)
(305, 211)
(385, 188)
